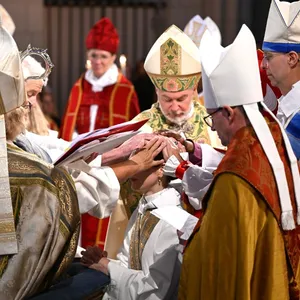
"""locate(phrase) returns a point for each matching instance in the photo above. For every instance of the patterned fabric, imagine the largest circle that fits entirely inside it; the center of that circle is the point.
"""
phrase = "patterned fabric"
(47, 224)
(246, 158)
(194, 128)
(293, 132)
(103, 36)
(170, 78)
(141, 232)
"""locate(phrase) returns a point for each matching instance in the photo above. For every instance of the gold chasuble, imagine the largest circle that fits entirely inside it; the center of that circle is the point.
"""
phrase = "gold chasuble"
(239, 251)
(194, 128)
(47, 221)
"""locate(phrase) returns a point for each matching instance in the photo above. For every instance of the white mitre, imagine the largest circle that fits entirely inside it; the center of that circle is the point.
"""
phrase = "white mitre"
(31, 67)
(7, 20)
(283, 27)
(227, 82)
(196, 27)
(12, 92)
(173, 62)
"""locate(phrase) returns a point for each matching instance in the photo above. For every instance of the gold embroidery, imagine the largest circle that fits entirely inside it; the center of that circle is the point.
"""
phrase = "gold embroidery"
(175, 83)
(2, 107)
(7, 226)
(141, 232)
(170, 58)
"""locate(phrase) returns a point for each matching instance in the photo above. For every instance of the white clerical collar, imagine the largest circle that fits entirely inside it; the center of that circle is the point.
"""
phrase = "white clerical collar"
(289, 104)
(110, 77)
(168, 196)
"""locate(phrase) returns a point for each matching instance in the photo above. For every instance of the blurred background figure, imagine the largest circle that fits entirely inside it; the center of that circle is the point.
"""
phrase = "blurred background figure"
(143, 86)
(48, 107)
(100, 98)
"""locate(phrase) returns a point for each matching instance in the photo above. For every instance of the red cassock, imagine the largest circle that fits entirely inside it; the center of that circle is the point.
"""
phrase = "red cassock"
(117, 103)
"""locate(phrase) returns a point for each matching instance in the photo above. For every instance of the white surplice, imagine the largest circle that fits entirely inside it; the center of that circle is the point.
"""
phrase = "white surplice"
(161, 258)
(289, 105)
(97, 187)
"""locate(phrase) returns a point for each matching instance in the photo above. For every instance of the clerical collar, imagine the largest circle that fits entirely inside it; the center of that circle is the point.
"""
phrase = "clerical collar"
(168, 196)
(110, 77)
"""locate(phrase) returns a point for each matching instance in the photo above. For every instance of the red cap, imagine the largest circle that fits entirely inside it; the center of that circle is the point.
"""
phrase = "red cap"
(103, 36)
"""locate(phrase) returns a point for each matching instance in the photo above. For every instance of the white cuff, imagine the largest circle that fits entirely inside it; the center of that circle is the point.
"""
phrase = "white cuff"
(173, 163)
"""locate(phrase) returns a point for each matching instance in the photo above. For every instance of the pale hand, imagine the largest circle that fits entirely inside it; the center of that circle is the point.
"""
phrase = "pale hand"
(172, 148)
(135, 143)
(189, 146)
(145, 157)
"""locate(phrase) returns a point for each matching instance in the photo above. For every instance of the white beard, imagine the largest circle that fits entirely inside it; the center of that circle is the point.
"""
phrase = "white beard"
(178, 120)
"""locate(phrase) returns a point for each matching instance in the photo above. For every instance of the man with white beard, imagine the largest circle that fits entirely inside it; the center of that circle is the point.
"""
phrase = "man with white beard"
(177, 109)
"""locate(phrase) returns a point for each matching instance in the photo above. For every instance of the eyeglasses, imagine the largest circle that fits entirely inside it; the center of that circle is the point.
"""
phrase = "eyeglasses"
(27, 106)
(209, 120)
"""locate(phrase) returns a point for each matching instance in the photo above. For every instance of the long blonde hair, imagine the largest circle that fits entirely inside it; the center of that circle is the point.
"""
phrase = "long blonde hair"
(37, 122)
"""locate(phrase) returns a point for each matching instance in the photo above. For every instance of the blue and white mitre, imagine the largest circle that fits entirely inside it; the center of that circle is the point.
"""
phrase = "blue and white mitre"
(283, 27)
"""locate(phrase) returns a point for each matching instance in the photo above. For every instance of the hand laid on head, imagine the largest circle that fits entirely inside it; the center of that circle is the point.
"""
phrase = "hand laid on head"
(173, 147)
(145, 157)
(92, 255)
(135, 143)
(188, 144)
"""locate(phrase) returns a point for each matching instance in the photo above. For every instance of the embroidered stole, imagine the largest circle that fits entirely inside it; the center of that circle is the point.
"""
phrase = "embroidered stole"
(141, 232)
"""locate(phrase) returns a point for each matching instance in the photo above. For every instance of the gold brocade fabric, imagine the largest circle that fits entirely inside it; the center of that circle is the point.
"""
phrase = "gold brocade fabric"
(194, 129)
(47, 225)
(246, 260)
(141, 232)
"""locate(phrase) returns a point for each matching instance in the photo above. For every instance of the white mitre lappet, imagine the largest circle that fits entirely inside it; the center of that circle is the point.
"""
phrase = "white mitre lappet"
(173, 62)
(228, 82)
(283, 27)
(196, 27)
(12, 91)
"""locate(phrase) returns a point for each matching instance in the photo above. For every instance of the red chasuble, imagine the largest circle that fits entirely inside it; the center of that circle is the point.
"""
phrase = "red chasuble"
(117, 103)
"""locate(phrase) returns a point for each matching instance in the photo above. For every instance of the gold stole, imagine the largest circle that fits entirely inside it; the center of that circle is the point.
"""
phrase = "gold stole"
(141, 232)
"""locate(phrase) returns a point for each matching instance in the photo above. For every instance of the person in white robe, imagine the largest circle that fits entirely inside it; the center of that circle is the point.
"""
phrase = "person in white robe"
(148, 263)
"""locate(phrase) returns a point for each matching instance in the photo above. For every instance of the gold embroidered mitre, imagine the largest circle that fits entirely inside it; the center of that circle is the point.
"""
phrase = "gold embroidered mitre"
(173, 63)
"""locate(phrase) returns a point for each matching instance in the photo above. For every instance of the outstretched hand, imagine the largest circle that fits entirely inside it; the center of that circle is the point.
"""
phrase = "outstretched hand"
(135, 143)
(145, 156)
(172, 148)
